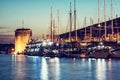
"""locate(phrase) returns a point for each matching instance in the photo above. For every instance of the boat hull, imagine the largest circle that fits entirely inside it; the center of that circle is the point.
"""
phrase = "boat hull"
(115, 53)
(98, 54)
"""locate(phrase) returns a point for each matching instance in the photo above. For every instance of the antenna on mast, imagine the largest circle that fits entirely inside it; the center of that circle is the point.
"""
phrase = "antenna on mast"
(23, 23)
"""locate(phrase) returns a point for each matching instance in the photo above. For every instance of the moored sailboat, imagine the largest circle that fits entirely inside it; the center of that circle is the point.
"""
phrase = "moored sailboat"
(99, 50)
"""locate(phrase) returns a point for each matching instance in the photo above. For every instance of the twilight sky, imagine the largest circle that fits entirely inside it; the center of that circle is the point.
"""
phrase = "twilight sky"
(36, 15)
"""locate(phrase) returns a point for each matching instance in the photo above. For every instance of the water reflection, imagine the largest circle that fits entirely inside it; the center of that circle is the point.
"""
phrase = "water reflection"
(109, 64)
(109, 69)
(41, 68)
(35, 66)
(54, 69)
(101, 69)
(57, 68)
(50, 69)
(18, 66)
(44, 69)
(89, 63)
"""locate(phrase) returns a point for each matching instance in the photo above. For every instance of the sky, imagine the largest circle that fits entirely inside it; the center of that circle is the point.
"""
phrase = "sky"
(36, 15)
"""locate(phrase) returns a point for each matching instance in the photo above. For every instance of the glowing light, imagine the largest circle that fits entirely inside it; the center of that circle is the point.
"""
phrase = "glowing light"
(84, 44)
(57, 44)
(50, 43)
(110, 47)
(44, 44)
(101, 43)
(99, 25)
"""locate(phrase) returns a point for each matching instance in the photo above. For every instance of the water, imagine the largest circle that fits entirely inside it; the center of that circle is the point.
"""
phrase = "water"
(41, 68)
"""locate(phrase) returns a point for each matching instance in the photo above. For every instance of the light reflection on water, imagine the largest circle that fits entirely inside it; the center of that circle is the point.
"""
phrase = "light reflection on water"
(101, 69)
(52, 66)
(42, 68)
(18, 66)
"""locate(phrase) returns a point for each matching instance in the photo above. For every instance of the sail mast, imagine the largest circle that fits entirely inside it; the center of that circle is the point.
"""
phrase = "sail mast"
(70, 23)
(98, 13)
(53, 30)
(99, 26)
(58, 25)
(91, 23)
(105, 18)
(75, 28)
(51, 26)
(85, 27)
(112, 17)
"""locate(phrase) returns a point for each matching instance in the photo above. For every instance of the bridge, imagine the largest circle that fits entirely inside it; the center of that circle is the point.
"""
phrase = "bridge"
(95, 33)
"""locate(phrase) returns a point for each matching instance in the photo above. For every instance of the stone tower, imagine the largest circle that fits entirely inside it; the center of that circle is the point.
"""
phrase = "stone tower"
(22, 37)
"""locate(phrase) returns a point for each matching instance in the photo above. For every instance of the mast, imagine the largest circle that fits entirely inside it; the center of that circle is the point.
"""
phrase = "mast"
(75, 20)
(53, 30)
(112, 17)
(99, 26)
(116, 24)
(58, 25)
(51, 26)
(105, 18)
(91, 22)
(70, 23)
(98, 13)
(85, 27)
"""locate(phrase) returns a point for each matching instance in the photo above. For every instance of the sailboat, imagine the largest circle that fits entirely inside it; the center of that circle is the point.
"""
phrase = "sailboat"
(72, 48)
(99, 50)
(115, 52)
(51, 48)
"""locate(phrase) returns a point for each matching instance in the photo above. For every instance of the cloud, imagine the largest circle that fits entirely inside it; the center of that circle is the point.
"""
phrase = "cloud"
(6, 31)
(6, 39)
(1, 27)
(6, 36)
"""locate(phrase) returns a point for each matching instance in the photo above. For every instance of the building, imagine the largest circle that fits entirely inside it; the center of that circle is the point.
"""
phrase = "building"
(22, 37)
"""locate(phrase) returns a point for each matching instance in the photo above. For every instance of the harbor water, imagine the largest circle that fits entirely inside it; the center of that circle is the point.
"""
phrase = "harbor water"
(43, 68)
